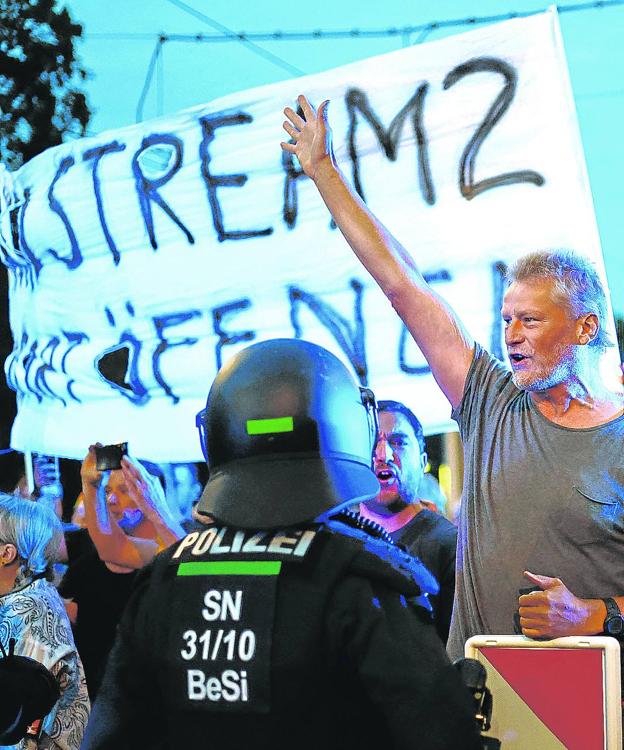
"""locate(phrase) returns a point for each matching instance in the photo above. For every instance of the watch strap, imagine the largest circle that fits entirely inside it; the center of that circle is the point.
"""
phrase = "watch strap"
(613, 612)
(612, 608)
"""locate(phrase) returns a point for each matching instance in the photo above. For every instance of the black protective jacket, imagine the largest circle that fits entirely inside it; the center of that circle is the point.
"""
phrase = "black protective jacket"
(304, 638)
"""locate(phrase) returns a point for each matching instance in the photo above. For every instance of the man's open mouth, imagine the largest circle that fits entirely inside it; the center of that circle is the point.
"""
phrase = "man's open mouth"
(517, 357)
(385, 475)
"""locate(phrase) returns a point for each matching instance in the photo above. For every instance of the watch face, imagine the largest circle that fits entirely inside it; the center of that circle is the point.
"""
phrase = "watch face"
(615, 625)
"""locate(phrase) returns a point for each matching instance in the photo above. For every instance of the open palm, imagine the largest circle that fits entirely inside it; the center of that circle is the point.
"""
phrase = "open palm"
(311, 135)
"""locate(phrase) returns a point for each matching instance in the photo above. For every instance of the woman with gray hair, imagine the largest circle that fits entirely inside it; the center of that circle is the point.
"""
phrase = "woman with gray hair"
(32, 613)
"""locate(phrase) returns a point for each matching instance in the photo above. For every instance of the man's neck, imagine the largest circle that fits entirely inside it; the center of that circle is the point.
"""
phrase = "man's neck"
(391, 521)
(579, 402)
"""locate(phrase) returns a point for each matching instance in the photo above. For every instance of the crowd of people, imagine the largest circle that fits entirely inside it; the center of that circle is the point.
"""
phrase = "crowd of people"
(311, 589)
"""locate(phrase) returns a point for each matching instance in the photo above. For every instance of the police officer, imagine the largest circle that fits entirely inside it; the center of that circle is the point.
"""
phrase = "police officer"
(282, 623)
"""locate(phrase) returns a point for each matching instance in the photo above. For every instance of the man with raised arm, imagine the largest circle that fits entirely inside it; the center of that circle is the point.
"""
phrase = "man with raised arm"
(544, 467)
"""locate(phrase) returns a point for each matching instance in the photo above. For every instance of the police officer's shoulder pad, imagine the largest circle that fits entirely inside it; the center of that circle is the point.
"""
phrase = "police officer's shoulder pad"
(377, 558)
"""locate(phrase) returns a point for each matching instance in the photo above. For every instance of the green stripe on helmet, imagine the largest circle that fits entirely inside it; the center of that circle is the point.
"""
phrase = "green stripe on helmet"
(268, 426)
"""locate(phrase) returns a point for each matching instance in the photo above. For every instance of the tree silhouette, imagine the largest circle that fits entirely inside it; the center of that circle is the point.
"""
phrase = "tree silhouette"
(40, 102)
(40, 98)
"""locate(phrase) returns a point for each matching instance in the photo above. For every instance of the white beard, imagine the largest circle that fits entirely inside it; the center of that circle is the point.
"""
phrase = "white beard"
(530, 381)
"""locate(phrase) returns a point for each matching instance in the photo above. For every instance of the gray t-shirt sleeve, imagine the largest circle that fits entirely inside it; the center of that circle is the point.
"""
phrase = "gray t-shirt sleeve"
(486, 383)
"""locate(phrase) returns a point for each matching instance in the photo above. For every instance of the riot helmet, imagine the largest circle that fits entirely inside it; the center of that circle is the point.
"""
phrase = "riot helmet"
(288, 436)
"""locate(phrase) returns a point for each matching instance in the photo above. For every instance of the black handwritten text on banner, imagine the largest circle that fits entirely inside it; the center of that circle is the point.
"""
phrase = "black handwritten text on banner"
(141, 259)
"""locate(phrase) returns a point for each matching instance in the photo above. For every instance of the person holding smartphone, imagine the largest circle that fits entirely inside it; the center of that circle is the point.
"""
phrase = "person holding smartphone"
(127, 522)
(126, 511)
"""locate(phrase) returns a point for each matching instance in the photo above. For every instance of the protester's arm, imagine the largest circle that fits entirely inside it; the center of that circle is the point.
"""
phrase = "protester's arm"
(555, 611)
(112, 545)
(434, 326)
(149, 496)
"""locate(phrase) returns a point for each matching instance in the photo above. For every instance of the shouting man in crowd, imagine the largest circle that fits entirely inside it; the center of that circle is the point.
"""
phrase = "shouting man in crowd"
(399, 461)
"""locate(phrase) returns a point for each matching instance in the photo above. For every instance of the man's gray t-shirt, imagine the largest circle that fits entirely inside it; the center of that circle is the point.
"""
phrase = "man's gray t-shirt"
(537, 497)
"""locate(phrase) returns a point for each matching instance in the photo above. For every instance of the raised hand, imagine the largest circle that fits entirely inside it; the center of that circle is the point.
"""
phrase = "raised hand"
(148, 494)
(90, 476)
(144, 489)
(311, 135)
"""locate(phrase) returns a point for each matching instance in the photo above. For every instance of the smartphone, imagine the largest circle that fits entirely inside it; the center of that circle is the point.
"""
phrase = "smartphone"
(108, 457)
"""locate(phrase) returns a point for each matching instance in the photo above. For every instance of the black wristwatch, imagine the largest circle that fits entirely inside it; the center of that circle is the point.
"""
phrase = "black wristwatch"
(614, 621)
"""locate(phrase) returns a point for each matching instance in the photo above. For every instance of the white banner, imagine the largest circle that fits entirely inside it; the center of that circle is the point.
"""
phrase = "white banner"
(143, 258)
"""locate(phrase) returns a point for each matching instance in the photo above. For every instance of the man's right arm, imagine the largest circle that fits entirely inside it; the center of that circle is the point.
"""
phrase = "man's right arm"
(434, 326)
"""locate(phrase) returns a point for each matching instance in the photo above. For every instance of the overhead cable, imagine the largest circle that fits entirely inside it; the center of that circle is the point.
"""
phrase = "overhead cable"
(227, 35)
(225, 32)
